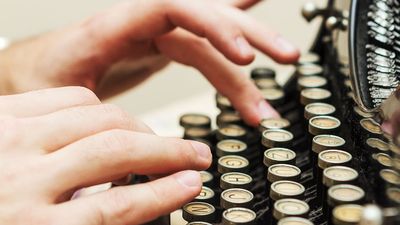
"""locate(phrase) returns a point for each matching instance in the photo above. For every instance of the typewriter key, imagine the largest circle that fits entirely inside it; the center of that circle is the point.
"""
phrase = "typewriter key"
(312, 95)
(198, 223)
(206, 195)
(371, 127)
(262, 72)
(195, 120)
(266, 83)
(286, 189)
(199, 211)
(231, 132)
(274, 96)
(345, 194)
(325, 142)
(333, 157)
(229, 118)
(279, 172)
(231, 147)
(311, 82)
(235, 180)
(323, 125)
(318, 109)
(232, 163)
(238, 216)
(290, 207)
(294, 221)
(376, 145)
(206, 178)
(390, 176)
(339, 175)
(194, 133)
(273, 123)
(393, 195)
(308, 58)
(347, 214)
(309, 70)
(348, 84)
(274, 156)
(384, 160)
(223, 103)
(276, 138)
(236, 197)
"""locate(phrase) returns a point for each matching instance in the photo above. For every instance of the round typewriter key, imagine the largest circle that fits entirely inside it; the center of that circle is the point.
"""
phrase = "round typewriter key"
(229, 118)
(333, 157)
(232, 163)
(312, 95)
(318, 109)
(239, 216)
(290, 207)
(273, 123)
(294, 221)
(308, 58)
(199, 211)
(223, 103)
(310, 70)
(274, 156)
(323, 125)
(207, 178)
(197, 133)
(274, 96)
(231, 147)
(235, 180)
(345, 194)
(371, 126)
(325, 141)
(276, 138)
(265, 83)
(279, 172)
(286, 189)
(362, 114)
(236, 197)
(195, 120)
(393, 195)
(335, 175)
(231, 132)
(206, 195)
(375, 143)
(311, 82)
(198, 223)
(384, 160)
(347, 214)
(262, 72)
(390, 176)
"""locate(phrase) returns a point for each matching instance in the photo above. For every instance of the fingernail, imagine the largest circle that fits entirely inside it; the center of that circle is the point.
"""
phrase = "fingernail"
(244, 46)
(189, 178)
(266, 111)
(285, 45)
(202, 149)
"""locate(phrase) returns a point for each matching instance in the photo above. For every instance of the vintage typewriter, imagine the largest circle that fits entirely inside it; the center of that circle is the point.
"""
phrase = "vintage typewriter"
(327, 160)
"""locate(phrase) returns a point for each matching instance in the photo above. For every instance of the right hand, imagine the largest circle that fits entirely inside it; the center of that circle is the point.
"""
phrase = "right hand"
(56, 141)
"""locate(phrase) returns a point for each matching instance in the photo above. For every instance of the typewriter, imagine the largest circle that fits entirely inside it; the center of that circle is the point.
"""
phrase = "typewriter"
(327, 160)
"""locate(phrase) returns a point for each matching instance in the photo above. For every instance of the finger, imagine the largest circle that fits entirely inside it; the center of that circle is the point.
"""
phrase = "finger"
(242, 4)
(262, 38)
(45, 101)
(112, 154)
(140, 21)
(132, 204)
(224, 75)
(75, 123)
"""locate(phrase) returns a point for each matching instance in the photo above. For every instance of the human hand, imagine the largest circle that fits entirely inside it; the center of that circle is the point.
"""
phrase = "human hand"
(57, 141)
(122, 46)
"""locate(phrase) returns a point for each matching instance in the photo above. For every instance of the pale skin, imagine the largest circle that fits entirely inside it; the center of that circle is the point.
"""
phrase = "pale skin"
(56, 141)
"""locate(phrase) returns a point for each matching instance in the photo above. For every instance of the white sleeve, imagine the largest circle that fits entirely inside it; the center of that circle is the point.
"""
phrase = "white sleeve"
(4, 42)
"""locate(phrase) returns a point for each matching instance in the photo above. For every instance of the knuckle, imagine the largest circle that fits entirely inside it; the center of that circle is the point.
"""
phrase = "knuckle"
(119, 117)
(117, 142)
(84, 95)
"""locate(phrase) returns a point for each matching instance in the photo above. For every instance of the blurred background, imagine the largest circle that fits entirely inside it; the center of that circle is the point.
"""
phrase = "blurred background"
(176, 84)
